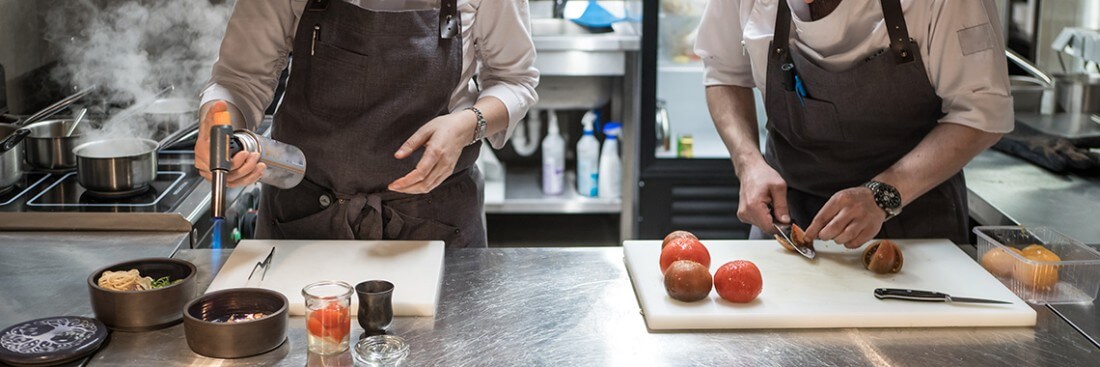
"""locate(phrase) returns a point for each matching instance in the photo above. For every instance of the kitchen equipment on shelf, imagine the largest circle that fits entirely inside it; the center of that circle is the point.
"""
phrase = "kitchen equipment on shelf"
(596, 16)
(588, 158)
(928, 296)
(210, 331)
(553, 157)
(414, 267)
(50, 146)
(144, 310)
(121, 166)
(833, 291)
(1071, 275)
(611, 166)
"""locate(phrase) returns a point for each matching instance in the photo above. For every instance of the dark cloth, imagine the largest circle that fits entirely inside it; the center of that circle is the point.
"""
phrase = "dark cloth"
(362, 82)
(1056, 154)
(829, 131)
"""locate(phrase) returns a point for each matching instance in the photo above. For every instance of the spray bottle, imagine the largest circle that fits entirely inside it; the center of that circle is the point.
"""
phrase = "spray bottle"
(553, 158)
(588, 158)
(611, 166)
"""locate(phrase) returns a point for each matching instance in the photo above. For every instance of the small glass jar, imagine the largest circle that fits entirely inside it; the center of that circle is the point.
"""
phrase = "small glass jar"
(328, 316)
(382, 351)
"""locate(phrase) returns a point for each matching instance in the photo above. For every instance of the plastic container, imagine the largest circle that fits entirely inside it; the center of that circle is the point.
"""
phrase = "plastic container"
(588, 159)
(553, 159)
(611, 166)
(1073, 276)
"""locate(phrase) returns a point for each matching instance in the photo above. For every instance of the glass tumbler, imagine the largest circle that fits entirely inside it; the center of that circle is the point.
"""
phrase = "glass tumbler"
(328, 316)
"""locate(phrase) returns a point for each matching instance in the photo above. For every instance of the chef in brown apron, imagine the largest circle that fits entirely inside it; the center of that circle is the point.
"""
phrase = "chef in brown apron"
(384, 107)
(874, 107)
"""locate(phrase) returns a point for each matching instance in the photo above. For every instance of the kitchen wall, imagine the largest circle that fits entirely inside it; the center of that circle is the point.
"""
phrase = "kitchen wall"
(23, 50)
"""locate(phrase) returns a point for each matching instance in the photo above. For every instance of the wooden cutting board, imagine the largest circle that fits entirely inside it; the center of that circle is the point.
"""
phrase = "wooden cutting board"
(833, 291)
(414, 267)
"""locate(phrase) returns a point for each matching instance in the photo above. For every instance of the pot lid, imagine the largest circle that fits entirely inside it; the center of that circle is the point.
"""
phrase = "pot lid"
(51, 341)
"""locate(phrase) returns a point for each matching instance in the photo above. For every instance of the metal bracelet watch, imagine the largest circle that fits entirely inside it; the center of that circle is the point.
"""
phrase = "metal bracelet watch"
(886, 197)
(479, 130)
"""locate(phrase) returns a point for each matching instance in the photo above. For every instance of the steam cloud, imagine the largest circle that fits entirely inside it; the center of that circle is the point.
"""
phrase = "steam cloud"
(134, 49)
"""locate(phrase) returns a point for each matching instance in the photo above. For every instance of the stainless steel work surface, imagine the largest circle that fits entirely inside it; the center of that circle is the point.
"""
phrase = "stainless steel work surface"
(575, 307)
(1007, 190)
(44, 273)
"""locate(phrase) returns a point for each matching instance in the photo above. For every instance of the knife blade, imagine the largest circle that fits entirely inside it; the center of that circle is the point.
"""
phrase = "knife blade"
(785, 232)
(928, 296)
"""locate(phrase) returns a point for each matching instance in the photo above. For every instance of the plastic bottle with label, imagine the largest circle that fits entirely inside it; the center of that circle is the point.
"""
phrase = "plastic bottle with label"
(611, 166)
(553, 158)
(588, 158)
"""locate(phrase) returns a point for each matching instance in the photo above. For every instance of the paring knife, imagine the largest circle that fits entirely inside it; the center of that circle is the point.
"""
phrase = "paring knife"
(928, 296)
(785, 232)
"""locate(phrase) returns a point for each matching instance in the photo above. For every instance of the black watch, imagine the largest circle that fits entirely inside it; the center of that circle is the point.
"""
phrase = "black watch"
(886, 197)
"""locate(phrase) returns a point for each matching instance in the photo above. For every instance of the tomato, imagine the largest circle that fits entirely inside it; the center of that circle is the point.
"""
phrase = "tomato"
(684, 249)
(738, 281)
(687, 281)
(332, 318)
(677, 234)
(315, 327)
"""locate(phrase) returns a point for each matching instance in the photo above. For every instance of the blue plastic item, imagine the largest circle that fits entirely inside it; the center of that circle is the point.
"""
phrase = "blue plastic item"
(596, 16)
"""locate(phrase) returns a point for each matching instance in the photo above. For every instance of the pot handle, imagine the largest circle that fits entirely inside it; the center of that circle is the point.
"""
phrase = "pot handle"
(12, 140)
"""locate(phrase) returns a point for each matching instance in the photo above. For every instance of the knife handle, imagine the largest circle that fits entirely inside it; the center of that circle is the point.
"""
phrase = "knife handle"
(910, 295)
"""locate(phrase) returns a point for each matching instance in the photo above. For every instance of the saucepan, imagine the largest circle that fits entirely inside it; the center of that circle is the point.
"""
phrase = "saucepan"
(121, 166)
(166, 115)
(11, 154)
(49, 148)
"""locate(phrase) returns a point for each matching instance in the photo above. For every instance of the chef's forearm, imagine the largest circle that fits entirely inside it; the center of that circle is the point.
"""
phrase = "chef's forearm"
(495, 113)
(733, 110)
(941, 154)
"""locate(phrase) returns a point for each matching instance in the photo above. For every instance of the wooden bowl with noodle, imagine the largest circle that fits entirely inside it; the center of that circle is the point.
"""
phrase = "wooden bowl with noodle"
(143, 294)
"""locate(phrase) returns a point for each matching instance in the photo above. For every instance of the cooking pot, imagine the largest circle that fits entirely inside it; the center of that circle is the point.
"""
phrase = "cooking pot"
(11, 154)
(48, 148)
(1078, 93)
(121, 166)
(166, 115)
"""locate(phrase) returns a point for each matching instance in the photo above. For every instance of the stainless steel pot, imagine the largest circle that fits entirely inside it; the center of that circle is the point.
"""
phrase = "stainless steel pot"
(48, 148)
(116, 166)
(1078, 93)
(11, 160)
(166, 115)
(121, 166)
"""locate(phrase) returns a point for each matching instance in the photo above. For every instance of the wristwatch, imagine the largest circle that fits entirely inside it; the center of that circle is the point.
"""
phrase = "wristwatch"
(479, 130)
(886, 197)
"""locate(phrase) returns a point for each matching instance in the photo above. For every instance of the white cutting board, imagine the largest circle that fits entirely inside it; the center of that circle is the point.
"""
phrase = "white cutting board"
(833, 291)
(414, 267)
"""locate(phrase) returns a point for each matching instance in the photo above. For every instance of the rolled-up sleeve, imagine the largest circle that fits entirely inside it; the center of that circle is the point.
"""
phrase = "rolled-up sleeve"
(719, 45)
(254, 51)
(507, 58)
(967, 65)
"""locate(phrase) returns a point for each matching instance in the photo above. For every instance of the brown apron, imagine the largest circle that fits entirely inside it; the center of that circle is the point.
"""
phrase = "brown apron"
(361, 83)
(828, 131)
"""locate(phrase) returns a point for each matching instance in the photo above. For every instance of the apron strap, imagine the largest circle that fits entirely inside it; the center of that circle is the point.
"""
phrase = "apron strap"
(899, 32)
(448, 19)
(781, 44)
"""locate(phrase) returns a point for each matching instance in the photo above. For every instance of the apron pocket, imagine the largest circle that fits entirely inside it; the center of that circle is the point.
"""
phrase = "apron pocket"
(819, 121)
(316, 226)
(420, 229)
(337, 82)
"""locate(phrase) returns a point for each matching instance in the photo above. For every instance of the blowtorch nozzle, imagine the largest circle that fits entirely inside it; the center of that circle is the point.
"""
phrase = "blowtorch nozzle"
(220, 163)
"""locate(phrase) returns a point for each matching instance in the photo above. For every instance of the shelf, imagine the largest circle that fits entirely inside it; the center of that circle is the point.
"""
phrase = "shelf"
(523, 195)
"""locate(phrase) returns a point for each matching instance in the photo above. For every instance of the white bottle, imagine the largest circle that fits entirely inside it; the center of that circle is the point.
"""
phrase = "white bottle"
(611, 166)
(553, 158)
(588, 159)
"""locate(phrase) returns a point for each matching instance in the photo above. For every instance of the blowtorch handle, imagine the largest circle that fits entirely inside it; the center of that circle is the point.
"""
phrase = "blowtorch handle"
(221, 137)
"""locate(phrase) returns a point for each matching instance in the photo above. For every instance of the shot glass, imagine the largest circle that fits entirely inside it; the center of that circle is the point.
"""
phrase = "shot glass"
(375, 305)
(328, 316)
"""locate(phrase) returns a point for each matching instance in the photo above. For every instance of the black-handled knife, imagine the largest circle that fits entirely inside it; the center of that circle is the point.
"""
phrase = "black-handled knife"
(927, 296)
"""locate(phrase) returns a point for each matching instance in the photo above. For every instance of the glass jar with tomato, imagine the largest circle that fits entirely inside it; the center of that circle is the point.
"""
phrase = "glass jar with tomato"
(328, 316)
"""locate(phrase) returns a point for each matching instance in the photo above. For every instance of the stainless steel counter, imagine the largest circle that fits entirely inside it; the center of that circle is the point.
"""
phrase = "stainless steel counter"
(576, 307)
(43, 274)
(1005, 190)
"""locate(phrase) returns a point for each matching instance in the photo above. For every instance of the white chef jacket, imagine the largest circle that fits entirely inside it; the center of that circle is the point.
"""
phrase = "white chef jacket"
(496, 45)
(960, 42)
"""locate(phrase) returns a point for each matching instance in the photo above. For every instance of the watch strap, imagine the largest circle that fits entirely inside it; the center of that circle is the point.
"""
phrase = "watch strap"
(479, 130)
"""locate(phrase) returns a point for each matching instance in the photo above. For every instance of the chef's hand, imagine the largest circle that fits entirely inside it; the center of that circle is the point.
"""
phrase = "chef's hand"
(443, 139)
(850, 218)
(763, 194)
(246, 167)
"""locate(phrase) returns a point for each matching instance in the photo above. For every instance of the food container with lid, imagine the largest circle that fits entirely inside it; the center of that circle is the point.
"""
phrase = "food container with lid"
(1040, 264)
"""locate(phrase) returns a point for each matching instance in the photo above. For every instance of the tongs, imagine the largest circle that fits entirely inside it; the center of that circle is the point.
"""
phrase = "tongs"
(264, 265)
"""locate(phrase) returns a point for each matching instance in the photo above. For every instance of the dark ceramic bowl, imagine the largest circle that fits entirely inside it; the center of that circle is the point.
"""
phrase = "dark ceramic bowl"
(144, 310)
(241, 339)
